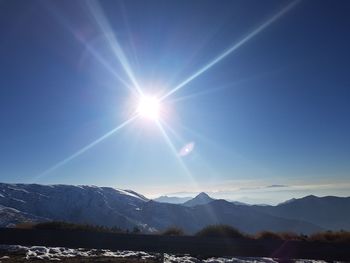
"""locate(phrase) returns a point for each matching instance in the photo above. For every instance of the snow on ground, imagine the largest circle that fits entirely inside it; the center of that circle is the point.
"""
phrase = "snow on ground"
(56, 253)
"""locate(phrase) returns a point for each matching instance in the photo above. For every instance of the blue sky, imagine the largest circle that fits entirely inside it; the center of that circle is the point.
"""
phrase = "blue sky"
(271, 111)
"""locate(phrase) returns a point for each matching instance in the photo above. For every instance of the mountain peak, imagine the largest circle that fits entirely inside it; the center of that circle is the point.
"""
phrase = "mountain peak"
(203, 195)
(201, 199)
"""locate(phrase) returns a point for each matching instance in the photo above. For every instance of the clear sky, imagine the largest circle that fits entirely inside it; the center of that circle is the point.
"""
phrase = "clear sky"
(259, 91)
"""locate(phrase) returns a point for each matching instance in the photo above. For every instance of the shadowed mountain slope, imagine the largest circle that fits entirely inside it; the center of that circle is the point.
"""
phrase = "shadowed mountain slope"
(192, 219)
(330, 212)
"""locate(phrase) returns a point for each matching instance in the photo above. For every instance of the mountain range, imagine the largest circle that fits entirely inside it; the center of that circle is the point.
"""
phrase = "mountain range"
(125, 209)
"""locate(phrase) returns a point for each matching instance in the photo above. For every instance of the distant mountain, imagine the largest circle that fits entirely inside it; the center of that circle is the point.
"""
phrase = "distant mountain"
(192, 219)
(330, 212)
(200, 199)
(172, 199)
(183, 200)
(125, 209)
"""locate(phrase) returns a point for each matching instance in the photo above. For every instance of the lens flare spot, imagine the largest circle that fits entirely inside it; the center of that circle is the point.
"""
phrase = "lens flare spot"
(187, 149)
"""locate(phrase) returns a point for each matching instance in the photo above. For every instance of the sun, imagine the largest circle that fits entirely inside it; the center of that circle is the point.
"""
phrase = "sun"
(149, 107)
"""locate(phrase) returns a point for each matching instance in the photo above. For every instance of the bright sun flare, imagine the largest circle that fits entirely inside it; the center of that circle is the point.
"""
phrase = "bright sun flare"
(149, 107)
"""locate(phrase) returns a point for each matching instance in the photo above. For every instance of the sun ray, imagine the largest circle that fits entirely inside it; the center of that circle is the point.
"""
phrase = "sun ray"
(129, 32)
(233, 152)
(174, 151)
(104, 25)
(202, 93)
(199, 135)
(234, 84)
(209, 209)
(195, 134)
(89, 48)
(98, 57)
(85, 148)
(172, 131)
(233, 48)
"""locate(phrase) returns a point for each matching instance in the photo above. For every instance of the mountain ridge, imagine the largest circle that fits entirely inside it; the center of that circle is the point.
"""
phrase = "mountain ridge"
(126, 209)
(172, 199)
(330, 212)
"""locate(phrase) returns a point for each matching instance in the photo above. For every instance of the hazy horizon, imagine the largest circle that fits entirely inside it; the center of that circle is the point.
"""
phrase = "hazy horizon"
(266, 195)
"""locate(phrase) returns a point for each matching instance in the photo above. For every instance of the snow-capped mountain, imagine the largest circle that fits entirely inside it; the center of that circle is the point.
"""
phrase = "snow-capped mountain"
(82, 204)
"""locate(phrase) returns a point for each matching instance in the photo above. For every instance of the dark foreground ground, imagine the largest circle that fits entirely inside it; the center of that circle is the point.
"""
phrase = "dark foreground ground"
(195, 246)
